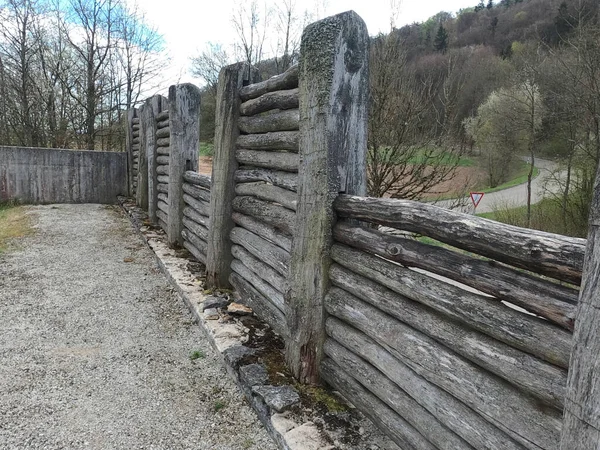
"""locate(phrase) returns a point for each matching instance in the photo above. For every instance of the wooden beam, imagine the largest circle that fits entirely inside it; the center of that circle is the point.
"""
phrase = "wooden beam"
(278, 100)
(287, 80)
(287, 120)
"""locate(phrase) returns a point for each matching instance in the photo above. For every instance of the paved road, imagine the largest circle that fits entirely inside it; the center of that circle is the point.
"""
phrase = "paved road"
(511, 197)
(94, 347)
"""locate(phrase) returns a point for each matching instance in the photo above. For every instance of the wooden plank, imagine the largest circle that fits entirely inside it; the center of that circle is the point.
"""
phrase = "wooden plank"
(398, 400)
(525, 419)
(162, 124)
(382, 415)
(276, 140)
(278, 100)
(277, 120)
(197, 179)
(141, 192)
(284, 180)
(163, 150)
(231, 80)
(525, 332)
(162, 160)
(163, 132)
(334, 91)
(194, 215)
(269, 292)
(545, 298)
(201, 206)
(264, 271)
(262, 307)
(199, 230)
(163, 169)
(553, 255)
(287, 80)
(162, 218)
(163, 206)
(163, 142)
(268, 253)
(269, 193)
(263, 230)
(457, 416)
(164, 197)
(194, 251)
(161, 187)
(127, 119)
(163, 115)
(163, 179)
(197, 192)
(198, 243)
(285, 161)
(277, 216)
(536, 377)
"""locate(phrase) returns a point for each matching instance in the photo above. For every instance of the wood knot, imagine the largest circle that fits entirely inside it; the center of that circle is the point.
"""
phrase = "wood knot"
(393, 250)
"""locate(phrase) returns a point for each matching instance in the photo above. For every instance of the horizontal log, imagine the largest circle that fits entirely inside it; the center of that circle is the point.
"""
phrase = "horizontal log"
(398, 400)
(163, 115)
(545, 298)
(275, 215)
(164, 179)
(136, 135)
(199, 230)
(264, 271)
(201, 206)
(287, 80)
(197, 179)
(161, 187)
(135, 154)
(136, 140)
(538, 378)
(270, 193)
(162, 169)
(453, 413)
(162, 124)
(164, 197)
(194, 251)
(194, 215)
(525, 332)
(163, 206)
(276, 140)
(276, 120)
(163, 142)
(262, 307)
(382, 415)
(162, 223)
(524, 418)
(135, 167)
(269, 292)
(162, 159)
(163, 151)
(288, 162)
(278, 101)
(197, 192)
(263, 230)
(284, 180)
(135, 121)
(200, 244)
(274, 256)
(163, 133)
(553, 255)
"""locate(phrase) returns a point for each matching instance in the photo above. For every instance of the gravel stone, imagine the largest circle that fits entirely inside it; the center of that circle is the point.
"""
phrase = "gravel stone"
(254, 374)
(279, 398)
(95, 351)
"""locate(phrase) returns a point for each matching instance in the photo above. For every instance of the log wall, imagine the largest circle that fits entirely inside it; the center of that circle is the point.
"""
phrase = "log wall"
(196, 221)
(163, 133)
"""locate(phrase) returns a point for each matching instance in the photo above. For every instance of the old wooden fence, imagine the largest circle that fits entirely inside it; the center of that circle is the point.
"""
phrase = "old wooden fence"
(462, 340)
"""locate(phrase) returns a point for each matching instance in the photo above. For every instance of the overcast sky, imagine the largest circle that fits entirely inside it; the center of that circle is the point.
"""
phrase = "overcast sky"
(187, 25)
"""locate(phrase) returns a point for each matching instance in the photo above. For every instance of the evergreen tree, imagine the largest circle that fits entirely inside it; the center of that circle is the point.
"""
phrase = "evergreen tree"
(480, 6)
(490, 4)
(562, 21)
(441, 39)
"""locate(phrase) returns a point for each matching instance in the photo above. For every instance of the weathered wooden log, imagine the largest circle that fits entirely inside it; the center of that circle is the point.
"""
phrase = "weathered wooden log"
(162, 169)
(136, 140)
(161, 187)
(391, 423)
(194, 215)
(269, 292)
(547, 299)
(285, 161)
(398, 400)
(278, 100)
(163, 206)
(269, 192)
(136, 154)
(162, 124)
(163, 179)
(263, 230)
(197, 242)
(262, 307)
(274, 256)
(199, 230)
(135, 121)
(287, 80)
(163, 133)
(163, 142)
(197, 192)
(525, 332)
(276, 140)
(453, 413)
(285, 180)
(135, 167)
(275, 215)
(197, 179)
(127, 120)
(164, 197)
(194, 251)
(524, 418)
(163, 150)
(277, 120)
(201, 206)
(264, 271)
(543, 380)
(553, 255)
(162, 218)
(162, 160)
(163, 115)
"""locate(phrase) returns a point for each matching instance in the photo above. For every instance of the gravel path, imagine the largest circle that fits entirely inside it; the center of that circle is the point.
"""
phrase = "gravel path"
(95, 347)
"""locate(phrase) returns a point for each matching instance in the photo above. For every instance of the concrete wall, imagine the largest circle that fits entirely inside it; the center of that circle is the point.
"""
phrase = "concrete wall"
(42, 175)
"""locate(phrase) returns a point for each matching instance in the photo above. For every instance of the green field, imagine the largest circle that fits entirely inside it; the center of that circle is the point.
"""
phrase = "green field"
(207, 149)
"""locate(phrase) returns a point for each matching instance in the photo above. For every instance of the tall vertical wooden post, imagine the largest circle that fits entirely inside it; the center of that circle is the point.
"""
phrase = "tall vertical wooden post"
(141, 193)
(128, 124)
(581, 418)
(218, 261)
(184, 123)
(334, 91)
(154, 105)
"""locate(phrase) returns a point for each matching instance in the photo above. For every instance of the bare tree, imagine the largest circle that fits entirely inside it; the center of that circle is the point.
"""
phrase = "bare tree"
(250, 22)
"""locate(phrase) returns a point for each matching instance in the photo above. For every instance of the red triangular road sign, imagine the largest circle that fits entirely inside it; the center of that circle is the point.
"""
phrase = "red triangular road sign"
(476, 198)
